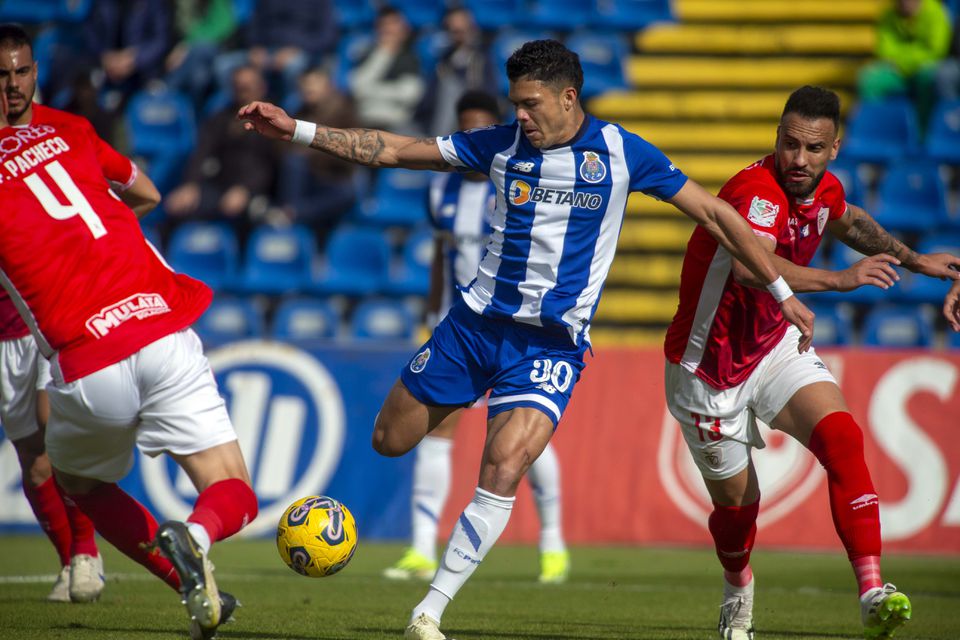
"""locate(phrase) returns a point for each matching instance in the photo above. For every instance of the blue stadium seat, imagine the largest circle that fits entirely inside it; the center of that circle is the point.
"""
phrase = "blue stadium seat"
(912, 197)
(305, 319)
(413, 275)
(849, 175)
(382, 320)
(243, 10)
(917, 288)
(943, 136)
(420, 13)
(36, 11)
(562, 15)
(601, 56)
(897, 327)
(843, 257)
(229, 319)
(834, 324)
(504, 44)
(279, 260)
(881, 132)
(354, 15)
(206, 251)
(162, 131)
(492, 15)
(357, 263)
(399, 198)
(629, 15)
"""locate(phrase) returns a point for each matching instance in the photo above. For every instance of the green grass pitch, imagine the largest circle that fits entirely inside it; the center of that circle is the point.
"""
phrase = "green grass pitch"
(613, 593)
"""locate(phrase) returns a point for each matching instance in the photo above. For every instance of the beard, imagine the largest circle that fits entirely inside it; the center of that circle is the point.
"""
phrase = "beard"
(14, 114)
(802, 190)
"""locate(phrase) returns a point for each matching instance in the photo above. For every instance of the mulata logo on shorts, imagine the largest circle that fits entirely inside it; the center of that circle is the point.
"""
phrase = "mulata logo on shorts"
(420, 361)
(289, 416)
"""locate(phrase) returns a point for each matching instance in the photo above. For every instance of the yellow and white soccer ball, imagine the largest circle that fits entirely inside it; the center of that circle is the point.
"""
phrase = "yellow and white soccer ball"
(317, 536)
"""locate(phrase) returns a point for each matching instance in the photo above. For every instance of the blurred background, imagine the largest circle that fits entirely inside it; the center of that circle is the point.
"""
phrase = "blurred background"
(324, 266)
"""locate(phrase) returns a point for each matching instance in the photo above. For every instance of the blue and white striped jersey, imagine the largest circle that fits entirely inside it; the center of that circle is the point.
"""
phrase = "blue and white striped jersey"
(461, 209)
(557, 219)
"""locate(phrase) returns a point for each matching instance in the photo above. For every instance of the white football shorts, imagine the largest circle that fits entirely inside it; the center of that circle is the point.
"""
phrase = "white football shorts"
(163, 398)
(23, 372)
(720, 426)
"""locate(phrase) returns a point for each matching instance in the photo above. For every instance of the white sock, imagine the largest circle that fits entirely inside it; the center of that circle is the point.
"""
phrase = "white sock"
(200, 535)
(431, 486)
(544, 477)
(477, 529)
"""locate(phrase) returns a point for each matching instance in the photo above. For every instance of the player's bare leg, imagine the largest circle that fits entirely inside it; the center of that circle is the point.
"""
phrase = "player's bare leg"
(515, 439)
(817, 416)
(733, 525)
(404, 421)
(432, 472)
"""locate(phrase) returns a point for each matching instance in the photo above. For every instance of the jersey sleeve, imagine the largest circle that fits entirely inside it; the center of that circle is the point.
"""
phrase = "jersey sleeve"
(650, 170)
(765, 210)
(117, 168)
(474, 150)
(835, 197)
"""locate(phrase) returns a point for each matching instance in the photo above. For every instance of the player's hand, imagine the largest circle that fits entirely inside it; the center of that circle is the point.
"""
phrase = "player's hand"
(874, 270)
(267, 120)
(939, 265)
(951, 307)
(797, 314)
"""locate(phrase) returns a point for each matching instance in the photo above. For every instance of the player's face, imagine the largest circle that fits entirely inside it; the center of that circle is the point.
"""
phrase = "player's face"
(18, 80)
(804, 149)
(547, 117)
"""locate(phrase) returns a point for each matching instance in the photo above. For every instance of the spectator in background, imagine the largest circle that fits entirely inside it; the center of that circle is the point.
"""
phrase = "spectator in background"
(912, 37)
(318, 189)
(285, 39)
(463, 65)
(229, 174)
(202, 26)
(83, 102)
(948, 73)
(386, 83)
(129, 39)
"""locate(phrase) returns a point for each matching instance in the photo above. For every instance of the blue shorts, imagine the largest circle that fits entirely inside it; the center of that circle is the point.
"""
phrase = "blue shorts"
(522, 365)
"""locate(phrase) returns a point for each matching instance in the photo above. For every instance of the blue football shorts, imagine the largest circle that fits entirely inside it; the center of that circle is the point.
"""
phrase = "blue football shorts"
(521, 365)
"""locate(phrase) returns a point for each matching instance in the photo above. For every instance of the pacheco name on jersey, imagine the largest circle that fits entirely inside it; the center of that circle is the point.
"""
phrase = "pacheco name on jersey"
(138, 306)
(30, 150)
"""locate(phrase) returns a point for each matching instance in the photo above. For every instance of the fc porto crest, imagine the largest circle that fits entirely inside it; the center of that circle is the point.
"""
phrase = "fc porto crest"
(420, 361)
(592, 168)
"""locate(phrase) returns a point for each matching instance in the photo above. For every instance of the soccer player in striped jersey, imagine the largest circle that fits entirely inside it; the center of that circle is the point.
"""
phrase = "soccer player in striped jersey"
(521, 328)
(461, 208)
(731, 358)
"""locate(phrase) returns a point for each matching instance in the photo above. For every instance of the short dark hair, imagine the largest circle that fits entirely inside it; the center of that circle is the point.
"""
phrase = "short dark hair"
(547, 61)
(813, 103)
(13, 36)
(388, 10)
(478, 100)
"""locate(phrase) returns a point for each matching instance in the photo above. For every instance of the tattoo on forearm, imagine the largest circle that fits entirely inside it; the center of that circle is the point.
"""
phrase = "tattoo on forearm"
(869, 238)
(357, 145)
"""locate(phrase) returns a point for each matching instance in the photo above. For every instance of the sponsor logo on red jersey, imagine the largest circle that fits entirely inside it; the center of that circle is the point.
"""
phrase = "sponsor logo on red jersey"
(139, 306)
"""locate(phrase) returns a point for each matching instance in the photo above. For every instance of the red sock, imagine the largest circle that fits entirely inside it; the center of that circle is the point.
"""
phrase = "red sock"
(837, 442)
(81, 529)
(49, 509)
(734, 530)
(224, 508)
(127, 525)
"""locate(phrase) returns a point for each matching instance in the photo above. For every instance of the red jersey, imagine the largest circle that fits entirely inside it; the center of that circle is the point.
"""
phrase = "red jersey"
(723, 329)
(72, 255)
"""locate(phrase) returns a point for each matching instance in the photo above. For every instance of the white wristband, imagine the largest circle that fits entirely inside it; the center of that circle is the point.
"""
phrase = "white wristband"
(304, 133)
(779, 289)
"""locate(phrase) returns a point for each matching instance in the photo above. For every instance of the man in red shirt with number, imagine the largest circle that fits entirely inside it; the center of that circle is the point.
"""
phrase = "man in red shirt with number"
(731, 358)
(113, 320)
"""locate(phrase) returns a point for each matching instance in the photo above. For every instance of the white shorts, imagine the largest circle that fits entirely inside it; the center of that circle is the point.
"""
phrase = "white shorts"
(720, 425)
(163, 398)
(23, 372)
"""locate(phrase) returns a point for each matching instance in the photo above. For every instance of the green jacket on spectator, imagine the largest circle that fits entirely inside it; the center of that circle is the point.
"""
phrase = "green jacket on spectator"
(911, 43)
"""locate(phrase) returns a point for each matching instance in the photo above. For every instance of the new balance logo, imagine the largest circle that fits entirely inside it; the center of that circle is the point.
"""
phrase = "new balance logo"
(865, 500)
(523, 167)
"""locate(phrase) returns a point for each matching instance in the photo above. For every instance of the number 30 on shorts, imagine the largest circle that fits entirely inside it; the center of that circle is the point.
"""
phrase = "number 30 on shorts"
(559, 374)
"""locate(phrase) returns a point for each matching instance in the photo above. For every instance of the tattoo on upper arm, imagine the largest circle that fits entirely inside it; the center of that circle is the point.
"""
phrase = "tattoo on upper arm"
(357, 145)
(869, 238)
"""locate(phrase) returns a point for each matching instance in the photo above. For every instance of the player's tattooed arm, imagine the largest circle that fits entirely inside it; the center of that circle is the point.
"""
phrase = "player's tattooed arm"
(376, 148)
(857, 229)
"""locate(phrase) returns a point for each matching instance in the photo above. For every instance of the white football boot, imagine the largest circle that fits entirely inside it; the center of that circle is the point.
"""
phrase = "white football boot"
(883, 611)
(86, 578)
(423, 627)
(736, 612)
(61, 588)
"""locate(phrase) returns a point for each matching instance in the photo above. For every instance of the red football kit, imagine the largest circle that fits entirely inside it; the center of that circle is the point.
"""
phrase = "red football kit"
(72, 255)
(722, 329)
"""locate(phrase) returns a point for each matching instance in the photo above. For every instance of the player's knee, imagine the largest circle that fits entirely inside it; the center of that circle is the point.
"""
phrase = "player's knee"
(389, 441)
(836, 437)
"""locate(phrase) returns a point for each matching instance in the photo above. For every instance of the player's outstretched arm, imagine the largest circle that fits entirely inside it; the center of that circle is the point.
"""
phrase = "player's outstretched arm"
(874, 270)
(730, 229)
(951, 306)
(370, 147)
(857, 229)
